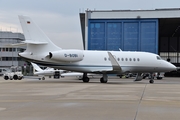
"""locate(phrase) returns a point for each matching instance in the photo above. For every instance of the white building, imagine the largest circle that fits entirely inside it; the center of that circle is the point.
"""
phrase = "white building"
(8, 55)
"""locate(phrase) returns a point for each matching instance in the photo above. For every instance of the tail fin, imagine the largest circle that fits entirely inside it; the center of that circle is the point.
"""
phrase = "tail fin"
(33, 34)
(36, 67)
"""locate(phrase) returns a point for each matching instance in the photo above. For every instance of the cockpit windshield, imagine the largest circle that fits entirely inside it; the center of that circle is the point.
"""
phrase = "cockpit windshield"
(158, 58)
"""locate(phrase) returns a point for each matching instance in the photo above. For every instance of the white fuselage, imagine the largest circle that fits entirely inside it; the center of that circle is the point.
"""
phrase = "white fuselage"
(98, 61)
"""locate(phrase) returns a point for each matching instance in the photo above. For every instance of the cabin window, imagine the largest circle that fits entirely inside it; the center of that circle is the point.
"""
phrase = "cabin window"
(138, 59)
(109, 59)
(126, 59)
(118, 59)
(158, 57)
(105, 58)
(134, 59)
(122, 59)
(130, 59)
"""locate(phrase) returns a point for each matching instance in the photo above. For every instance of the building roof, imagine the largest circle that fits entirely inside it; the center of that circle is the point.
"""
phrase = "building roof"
(134, 14)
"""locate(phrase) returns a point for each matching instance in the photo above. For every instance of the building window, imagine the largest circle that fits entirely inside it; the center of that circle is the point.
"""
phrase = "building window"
(10, 59)
(19, 59)
(4, 49)
(10, 49)
(19, 49)
(14, 58)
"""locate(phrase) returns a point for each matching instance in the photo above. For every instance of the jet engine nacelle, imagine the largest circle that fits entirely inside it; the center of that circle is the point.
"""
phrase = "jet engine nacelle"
(67, 55)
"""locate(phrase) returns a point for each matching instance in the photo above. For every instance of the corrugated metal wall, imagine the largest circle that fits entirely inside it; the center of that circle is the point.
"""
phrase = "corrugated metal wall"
(128, 35)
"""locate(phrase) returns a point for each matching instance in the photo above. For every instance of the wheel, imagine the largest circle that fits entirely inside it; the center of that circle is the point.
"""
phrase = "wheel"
(102, 80)
(151, 81)
(85, 79)
(6, 77)
(39, 78)
(159, 78)
(15, 77)
(43, 78)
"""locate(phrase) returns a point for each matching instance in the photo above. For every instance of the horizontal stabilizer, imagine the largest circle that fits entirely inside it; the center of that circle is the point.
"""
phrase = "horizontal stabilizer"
(115, 65)
(33, 42)
(16, 45)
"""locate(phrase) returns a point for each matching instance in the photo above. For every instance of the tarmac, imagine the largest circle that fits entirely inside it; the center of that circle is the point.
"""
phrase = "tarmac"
(70, 99)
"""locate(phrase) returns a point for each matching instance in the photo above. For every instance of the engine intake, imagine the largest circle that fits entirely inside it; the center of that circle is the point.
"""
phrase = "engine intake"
(67, 55)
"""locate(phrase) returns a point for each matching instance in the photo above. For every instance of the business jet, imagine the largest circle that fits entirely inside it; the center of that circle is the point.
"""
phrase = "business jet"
(51, 72)
(41, 50)
(40, 72)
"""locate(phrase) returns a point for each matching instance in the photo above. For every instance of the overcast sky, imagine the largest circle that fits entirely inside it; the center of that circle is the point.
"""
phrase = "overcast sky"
(59, 19)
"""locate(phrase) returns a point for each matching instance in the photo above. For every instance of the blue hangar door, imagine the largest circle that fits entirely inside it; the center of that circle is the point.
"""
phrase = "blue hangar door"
(128, 35)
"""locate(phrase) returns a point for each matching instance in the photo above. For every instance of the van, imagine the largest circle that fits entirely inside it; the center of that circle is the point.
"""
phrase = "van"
(2, 71)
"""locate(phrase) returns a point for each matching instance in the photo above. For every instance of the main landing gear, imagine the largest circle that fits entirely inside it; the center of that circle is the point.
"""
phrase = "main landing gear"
(104, 79)
(85, 78)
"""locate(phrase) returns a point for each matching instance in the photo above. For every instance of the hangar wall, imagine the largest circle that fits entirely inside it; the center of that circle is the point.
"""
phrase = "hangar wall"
(128, 35)
(156, 31)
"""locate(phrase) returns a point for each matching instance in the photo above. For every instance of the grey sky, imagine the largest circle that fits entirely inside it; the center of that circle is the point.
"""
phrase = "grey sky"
(59, 19)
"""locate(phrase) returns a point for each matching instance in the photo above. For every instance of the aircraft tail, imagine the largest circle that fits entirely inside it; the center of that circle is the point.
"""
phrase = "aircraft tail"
(34, 35)
(36, 67)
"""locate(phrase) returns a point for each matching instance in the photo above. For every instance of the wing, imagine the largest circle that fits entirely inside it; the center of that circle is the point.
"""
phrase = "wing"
(115, 64)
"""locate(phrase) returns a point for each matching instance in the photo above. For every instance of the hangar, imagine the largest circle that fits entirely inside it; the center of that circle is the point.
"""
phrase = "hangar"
(156, 31)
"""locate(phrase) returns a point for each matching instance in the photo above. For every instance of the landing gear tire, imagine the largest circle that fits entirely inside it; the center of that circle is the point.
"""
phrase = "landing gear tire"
(43, 78)
(85, 79)
(159, 78)
(151, 81)
(102, 80)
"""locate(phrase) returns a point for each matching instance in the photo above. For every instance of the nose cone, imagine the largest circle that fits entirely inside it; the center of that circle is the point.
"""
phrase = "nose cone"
(171, 67)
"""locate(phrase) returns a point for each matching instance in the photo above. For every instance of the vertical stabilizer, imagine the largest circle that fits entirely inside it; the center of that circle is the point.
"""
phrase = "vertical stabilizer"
(36, 67)
(33, 34)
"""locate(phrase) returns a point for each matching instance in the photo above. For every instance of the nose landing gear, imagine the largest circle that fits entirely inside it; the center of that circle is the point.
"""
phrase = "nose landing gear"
(151, 78)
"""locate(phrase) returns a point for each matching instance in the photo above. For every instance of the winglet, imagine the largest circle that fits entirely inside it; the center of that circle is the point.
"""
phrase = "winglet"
(115, 64)
(120, 49)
